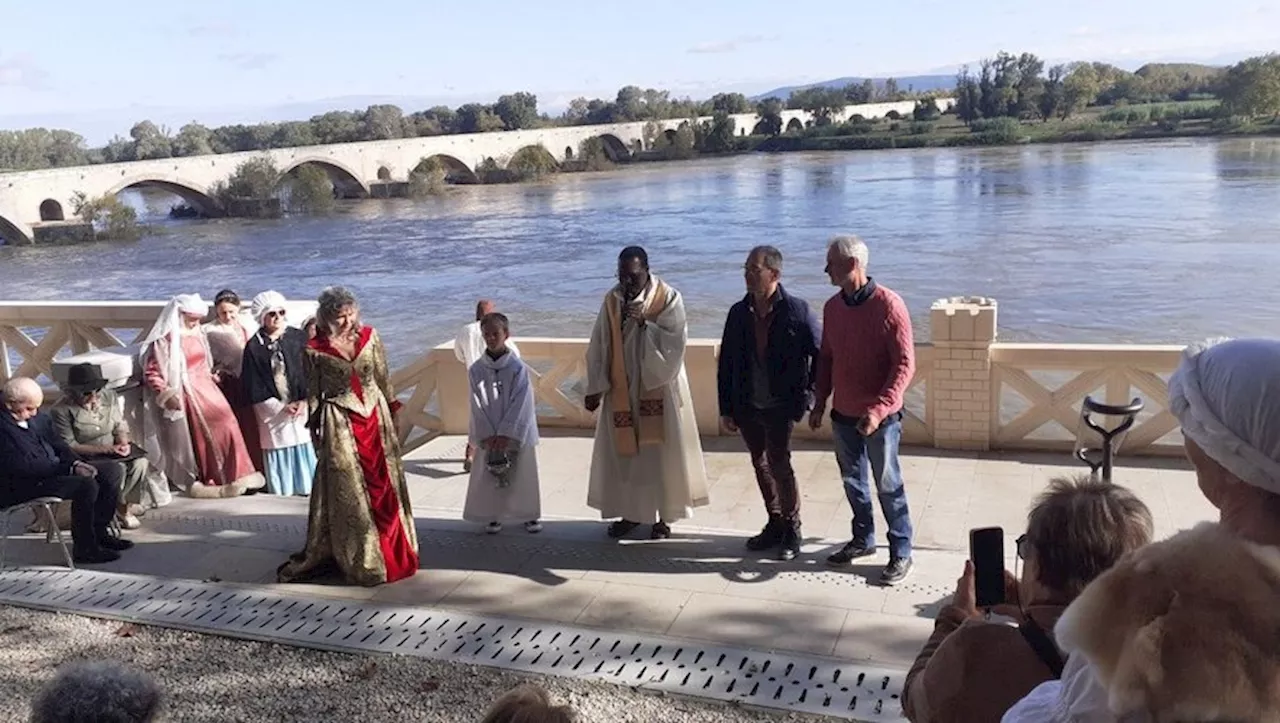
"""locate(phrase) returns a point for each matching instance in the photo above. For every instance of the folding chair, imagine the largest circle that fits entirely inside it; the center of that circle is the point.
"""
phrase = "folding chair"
(36, 505)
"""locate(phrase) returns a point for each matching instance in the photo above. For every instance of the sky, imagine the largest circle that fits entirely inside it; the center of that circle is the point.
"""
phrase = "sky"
(86, 63)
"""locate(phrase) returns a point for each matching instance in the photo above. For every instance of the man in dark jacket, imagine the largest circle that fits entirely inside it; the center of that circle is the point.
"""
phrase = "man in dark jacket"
(766, 376)
(36, 462)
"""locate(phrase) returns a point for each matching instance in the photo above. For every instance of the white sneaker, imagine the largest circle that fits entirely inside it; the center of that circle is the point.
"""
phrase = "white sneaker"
(493, 528)
(128, 522)
(533, 527)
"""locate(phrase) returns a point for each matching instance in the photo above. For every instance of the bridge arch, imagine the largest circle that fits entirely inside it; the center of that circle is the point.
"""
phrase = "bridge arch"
(534, 158)
(795, 125)
(193, 194)
(614, 148)
(384, 173)
(51, 210)
(13, 234)
(455, 171)
(345, 180)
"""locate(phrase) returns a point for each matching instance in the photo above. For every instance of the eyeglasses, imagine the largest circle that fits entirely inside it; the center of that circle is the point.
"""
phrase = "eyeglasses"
(1023, 547)
(274, 314)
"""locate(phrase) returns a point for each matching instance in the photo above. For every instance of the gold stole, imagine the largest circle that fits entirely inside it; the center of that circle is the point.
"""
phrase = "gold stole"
(627, 434)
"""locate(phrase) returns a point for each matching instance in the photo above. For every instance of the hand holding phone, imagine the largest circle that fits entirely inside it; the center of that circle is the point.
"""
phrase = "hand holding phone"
(986, 551)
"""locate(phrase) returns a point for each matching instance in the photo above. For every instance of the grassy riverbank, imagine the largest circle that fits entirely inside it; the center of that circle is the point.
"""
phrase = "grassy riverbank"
(1157, 121)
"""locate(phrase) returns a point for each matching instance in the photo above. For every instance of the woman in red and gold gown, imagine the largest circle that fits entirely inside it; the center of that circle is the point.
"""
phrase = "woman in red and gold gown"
(361, 522)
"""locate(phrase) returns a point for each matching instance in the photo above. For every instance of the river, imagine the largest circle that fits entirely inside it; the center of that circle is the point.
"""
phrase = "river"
(1115, 242)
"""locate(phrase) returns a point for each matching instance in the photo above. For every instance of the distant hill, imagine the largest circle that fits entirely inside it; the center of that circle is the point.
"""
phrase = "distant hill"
(919, 83)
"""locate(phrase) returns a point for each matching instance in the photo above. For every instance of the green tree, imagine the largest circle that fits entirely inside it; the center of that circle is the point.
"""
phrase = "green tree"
(1251, 88)
(382, 123)
(337, 126)
(769, 111)
(926, 110)
(730, 103)
(968, 97)
(719, 134)
(293, 134)
(310, 191)
(149, 141)
(820, 102)
(576, 113)
(1029, 86)
(532, 162)
(859, 93)
(110, 217)
(517, 110)
(256, 179)
(1052, 98)
(193, 139)
(477, 118)
(889, 91)
(1079, 88)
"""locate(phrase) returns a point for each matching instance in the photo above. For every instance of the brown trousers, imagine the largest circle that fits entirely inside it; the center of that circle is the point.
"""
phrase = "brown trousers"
(768, 437)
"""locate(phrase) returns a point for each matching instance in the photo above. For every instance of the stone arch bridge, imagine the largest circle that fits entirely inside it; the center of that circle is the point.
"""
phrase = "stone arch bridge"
(30, 199)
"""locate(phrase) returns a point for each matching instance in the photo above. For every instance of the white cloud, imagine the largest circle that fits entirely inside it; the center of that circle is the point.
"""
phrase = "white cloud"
(20, 71)
(250, 61)
(728, 46)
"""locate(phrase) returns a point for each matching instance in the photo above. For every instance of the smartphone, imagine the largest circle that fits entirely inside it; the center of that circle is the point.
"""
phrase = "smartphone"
(986, 550)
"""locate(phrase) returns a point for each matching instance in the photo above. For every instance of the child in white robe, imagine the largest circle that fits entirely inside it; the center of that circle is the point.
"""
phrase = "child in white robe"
(504, 430)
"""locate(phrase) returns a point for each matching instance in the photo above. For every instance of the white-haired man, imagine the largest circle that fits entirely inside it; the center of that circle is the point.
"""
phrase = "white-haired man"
(867, 359)
(36, 462)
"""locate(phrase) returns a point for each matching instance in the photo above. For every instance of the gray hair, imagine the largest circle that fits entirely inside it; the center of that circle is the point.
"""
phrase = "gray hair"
(770, 256)
(103, 691)
(22, 389)
(331, 303)
(852, 247)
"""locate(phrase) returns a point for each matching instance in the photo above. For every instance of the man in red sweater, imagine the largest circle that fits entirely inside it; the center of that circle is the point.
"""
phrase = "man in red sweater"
(867, 359)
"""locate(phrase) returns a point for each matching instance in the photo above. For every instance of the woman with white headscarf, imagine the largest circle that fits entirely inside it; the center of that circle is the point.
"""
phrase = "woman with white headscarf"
(191, 428)
(276, 385)
(1188, 629)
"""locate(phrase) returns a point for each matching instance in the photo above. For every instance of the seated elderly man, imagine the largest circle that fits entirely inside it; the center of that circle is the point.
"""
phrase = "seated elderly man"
(35, 462)
(972, 670)
(90, 420)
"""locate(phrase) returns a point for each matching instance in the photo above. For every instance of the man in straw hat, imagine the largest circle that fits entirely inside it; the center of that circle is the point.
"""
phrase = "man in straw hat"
(90, 419)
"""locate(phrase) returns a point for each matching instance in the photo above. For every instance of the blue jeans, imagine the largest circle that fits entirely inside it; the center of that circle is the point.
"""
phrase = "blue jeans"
(862, 457)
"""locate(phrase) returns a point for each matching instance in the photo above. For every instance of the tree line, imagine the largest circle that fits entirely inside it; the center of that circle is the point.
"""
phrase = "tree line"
(1018, 86)
(43, 148)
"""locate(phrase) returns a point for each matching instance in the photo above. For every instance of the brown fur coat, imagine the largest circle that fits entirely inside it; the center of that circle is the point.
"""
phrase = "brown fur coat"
(1187, 629)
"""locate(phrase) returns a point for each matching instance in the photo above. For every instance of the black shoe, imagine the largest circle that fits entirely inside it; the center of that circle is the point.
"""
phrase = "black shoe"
(622, 528)
(769, 537)
(790, 546)
(660, 531)
(117, 544)
(896, 571)
(96, 556)
(850, 552)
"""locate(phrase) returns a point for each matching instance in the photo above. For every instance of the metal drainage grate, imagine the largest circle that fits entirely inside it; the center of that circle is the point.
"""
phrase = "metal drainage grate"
(800, 683)
(452, 548)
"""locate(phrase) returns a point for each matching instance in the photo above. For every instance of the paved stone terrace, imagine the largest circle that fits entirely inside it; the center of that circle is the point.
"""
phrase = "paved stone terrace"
(701, 584)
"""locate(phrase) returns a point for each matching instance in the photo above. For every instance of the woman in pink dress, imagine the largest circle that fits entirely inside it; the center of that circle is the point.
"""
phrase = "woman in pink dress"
(192, 431)
(228, 333)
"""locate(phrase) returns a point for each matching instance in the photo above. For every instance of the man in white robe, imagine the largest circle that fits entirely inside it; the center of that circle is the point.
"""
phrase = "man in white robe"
(504, 417)
(646, 467)
(468, 347)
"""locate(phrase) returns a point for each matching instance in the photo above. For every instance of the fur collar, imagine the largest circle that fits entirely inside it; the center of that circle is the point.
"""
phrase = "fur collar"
(1187, 629)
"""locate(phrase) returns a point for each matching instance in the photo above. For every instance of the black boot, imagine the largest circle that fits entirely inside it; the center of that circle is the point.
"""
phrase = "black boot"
(791, 538)
(769, 537)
